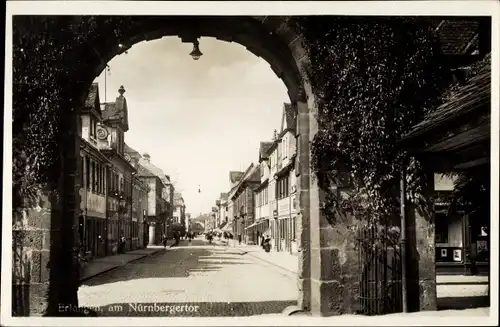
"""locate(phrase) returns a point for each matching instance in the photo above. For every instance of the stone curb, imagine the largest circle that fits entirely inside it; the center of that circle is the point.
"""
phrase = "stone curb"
(118, 266)
(288, 271)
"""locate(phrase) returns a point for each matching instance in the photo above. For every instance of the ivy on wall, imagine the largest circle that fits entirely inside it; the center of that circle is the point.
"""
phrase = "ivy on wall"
(51, 56)
(373, 80)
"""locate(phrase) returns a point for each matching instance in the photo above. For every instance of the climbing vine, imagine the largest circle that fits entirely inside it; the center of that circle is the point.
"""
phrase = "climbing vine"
(373, 80)
(50, 53)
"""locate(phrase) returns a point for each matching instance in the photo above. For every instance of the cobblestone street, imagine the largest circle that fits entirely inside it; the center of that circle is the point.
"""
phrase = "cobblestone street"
(212, 280)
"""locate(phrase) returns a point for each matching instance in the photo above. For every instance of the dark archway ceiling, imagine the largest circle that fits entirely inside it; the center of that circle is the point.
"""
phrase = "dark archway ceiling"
(268, 38)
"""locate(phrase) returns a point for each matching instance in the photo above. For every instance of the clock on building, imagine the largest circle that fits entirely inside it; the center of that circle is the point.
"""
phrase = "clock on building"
(102, 133)
(127, 156)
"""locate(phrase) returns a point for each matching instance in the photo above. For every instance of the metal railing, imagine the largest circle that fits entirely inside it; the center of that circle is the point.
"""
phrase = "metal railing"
(380, 284)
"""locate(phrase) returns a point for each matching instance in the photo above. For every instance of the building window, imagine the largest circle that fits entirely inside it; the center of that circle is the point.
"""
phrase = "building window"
(282, 228)
(96, 177)
(282, 187)
(283, 144)
(294, 228)
(87, 165)
(441, 228)
(91, 127)
(82, 170)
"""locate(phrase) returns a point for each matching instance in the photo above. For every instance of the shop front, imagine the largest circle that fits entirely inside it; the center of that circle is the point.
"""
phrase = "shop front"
(94, 225)
(462, 243)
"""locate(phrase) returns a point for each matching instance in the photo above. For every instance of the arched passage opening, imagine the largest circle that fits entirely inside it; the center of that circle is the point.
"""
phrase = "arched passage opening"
(79, 54)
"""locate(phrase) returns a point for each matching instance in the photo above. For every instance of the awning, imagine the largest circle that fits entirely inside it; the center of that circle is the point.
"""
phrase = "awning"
(252, 225)
(228, 228)
(258, 222)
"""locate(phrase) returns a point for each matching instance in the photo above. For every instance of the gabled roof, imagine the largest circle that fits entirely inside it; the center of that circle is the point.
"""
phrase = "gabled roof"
(457, 34)
(235, 176)
(132, 152)
(289, 117)
(263, 150)
(472, 95)
(147, 165)
(144, 172)
(251, 175)
(117, 112)
(92, 100)
(178, 200)
(155, 170)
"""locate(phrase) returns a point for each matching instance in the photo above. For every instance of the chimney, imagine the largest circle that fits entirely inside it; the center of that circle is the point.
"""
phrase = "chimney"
(275, 135)
(146, 156)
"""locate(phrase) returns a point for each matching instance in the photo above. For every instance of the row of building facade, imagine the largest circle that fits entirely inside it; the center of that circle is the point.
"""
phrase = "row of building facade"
(262, 200)
(127, 203)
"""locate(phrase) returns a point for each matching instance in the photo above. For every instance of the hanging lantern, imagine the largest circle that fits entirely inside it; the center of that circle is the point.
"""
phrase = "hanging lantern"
(196, 53)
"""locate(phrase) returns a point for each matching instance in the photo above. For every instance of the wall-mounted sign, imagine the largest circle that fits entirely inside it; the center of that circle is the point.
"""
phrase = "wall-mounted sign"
(444, 253)
(457, 255)
(443, 182)
(82, 198)
(96, 204)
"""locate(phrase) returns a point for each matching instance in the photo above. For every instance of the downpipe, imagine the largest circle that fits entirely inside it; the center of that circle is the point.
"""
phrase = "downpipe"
(403, 240)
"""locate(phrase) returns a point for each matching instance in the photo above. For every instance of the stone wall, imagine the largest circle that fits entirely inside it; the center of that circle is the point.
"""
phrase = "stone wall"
(31, 241)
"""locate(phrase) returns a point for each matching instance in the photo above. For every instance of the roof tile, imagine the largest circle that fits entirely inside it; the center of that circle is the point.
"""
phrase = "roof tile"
(290, 116)
(456, 34)
(475, 93)
(264, 148)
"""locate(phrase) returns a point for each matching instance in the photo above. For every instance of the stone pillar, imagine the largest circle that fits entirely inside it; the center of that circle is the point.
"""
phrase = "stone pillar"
(333, 259)
(31, 235)
(65, 272)
(45, 230)
(152, 234)
(303, 217)
(421, 254)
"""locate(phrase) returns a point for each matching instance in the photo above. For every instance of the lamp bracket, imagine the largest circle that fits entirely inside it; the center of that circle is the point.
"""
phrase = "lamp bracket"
(188, 38)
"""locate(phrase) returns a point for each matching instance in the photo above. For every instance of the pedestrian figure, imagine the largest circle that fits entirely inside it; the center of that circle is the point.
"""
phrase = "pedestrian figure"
(177, 237)
(164, 240)
(267, 244)
(122, 244)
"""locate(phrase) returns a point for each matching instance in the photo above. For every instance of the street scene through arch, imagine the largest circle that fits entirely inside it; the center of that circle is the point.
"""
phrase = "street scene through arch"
(331, 275)
(197, 270)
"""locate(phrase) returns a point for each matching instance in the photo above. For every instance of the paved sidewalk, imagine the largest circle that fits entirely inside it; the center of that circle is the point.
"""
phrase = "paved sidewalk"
(104, 264)
(449, 287)
(361, 320)
(458, 279)
(285, 261)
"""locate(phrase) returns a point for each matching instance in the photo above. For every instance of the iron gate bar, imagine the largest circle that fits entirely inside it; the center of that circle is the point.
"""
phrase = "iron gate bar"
(380, 272)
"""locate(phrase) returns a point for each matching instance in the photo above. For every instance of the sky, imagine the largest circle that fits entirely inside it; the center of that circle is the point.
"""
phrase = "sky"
(198, 120)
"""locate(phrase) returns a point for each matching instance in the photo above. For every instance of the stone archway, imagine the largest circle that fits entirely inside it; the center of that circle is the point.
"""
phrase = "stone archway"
(272, 38)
